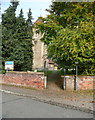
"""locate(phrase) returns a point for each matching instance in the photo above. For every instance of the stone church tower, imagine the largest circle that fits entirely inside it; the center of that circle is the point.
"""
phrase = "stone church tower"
(39, 50)
(40, 61)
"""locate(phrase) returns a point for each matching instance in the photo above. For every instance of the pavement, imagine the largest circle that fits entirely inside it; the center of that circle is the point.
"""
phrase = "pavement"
(55, 96)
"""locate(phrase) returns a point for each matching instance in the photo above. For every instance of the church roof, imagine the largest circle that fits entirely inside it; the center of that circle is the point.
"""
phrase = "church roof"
(39, 20)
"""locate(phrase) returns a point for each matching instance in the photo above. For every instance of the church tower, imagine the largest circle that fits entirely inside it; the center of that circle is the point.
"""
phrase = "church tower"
(39, 50)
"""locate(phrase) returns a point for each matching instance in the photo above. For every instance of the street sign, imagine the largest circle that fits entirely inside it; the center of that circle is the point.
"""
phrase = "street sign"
(9, 65)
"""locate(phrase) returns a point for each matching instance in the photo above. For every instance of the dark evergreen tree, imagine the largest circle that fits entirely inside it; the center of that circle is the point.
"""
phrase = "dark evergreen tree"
(17, 42)
(8, 30)
(23, 54)
(29, 23)
(30, 34)
(29, 20)
(21, 14)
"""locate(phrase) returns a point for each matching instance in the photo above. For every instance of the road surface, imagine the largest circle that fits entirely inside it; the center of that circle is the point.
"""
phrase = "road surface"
(24, 107)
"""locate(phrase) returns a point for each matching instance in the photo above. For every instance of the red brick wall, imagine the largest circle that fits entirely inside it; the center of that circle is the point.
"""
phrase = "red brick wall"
(34, 80)
(83, 82)
(86, 82)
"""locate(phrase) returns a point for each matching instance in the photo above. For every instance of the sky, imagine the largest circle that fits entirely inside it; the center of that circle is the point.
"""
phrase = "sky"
(37, 7)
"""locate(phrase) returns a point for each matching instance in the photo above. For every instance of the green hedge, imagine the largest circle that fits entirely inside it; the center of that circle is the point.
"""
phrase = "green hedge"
(2, 71)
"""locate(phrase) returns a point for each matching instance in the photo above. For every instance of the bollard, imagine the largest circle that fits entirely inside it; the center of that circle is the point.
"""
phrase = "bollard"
(45, 81)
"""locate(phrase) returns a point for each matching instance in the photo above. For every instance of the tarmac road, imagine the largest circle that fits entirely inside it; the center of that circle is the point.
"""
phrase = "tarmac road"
(24, 107)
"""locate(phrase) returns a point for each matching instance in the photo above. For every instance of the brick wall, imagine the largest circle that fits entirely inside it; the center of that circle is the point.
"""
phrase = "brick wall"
(34, 80)
(83, 82)
(37, 80)
(86, 82)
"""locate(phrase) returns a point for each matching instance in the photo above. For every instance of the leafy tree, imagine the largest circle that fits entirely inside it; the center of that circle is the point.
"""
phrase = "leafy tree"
(76, 45)
(69, 33)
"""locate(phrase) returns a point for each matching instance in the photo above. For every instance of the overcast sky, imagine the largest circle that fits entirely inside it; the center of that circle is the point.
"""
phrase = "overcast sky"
(37, 6)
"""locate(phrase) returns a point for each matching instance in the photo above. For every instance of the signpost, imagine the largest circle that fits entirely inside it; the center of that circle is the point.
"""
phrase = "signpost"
(9, 65)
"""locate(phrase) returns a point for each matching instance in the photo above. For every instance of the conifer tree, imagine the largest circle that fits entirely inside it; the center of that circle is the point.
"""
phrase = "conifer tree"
(23, 54)
(8, 30)
(29, 20)
(17, 43)
(29, 23)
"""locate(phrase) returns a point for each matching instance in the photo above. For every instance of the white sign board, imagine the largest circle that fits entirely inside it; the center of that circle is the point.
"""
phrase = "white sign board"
(9, 65)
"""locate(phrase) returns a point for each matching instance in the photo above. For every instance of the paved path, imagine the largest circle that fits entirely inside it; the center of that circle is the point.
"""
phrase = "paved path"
(24, 107)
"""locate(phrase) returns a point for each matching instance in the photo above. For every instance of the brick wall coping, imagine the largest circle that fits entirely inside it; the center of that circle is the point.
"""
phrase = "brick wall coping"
(79, 75)
(17, 72)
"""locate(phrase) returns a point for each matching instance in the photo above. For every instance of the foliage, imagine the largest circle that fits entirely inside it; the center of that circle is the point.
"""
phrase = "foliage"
(17, 39)
(76, 45)
(69, 32)
(2, 72)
